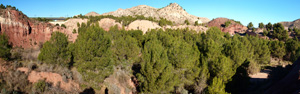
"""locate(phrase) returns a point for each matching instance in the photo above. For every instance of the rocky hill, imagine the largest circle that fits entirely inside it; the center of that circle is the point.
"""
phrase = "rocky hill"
(293, 24)
(231, 28)
(92, 14)
(172, 12)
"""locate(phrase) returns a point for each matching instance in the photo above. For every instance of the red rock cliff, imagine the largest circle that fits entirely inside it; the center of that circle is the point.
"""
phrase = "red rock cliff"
(24, 32)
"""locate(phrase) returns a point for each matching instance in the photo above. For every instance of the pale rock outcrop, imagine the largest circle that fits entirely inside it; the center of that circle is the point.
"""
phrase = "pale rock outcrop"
(71, 25)
(106, 23)
(120, 12)
(140, 10)
(143, 25)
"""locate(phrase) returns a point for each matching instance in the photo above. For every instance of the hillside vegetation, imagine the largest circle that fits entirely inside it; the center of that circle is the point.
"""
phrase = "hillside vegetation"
(170, 61)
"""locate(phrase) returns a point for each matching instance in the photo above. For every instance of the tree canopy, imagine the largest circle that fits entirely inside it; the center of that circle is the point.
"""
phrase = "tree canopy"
(250, 25)
(56, 51)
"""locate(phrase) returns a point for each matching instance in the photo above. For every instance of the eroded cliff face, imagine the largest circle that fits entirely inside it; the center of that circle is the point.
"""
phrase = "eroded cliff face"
(24, 32)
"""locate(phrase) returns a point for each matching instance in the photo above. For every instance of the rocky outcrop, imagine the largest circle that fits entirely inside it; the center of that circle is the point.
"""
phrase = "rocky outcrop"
(293, 24)
(24, 32)
(231, 29)
(106, 23)
(71, 25)
(143, 25)
(172, 12)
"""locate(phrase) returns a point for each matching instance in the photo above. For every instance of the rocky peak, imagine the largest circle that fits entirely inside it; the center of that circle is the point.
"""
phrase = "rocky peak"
(174, 6)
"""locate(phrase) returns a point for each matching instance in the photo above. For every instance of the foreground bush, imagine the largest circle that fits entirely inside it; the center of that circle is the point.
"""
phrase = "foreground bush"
(55, 51)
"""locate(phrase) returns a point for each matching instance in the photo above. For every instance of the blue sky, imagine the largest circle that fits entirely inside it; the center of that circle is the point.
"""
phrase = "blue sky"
(241, 10)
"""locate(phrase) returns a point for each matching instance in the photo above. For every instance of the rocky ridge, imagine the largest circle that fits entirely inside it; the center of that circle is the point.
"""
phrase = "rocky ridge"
(172, 12)
(293, 24)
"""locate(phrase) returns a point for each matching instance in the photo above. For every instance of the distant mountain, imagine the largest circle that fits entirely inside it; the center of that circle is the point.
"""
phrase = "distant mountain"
(172, 12)
(293, 24)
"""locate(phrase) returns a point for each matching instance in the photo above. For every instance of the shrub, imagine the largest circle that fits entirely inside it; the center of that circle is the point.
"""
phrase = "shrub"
(265, 33)
(55, 51)
(164, 22)
(227, 23)
(40, 86)
(63, 25)
(74, 31)
(186, 22)
(196, 23)
(261, 25)
(4, 47)
(250, 25)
